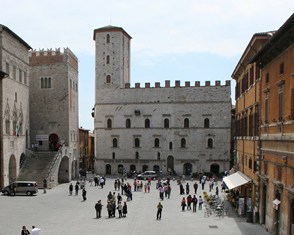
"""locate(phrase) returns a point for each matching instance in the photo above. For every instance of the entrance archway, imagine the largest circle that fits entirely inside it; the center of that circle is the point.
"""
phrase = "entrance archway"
(187, 169)
(12, 169)
(53, 142)
(156, 168)
(120, 169)
(63, 171)
(132, 168)
(214, 168)
(144, 168)
(170, 164)
(108, 169)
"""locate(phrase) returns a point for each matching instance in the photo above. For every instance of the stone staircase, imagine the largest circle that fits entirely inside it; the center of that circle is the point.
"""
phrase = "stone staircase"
(36, 167)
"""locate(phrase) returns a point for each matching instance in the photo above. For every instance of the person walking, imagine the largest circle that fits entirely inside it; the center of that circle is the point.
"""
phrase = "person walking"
(183, 203)
(119, 208)
(194, 201)
(77, 188)
(98, 208)
(159, 211)
(187, 188)
(24, 231)
(109, 209)
(195, 186)
(189, 202)
(84, 194)
(35, 231)
(70, 189)
(45, 185)
(125, 210)
(200, 202)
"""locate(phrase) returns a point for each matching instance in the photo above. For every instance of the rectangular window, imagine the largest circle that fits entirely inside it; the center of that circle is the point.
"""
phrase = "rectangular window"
(266, 110)
(251, 75)
(257, 72)
(14, 72)
(282, 68)
(281, 106)
(267, 78)
(20, 75)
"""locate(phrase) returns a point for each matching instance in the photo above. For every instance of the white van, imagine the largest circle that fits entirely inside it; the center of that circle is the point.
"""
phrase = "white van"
(21, 187)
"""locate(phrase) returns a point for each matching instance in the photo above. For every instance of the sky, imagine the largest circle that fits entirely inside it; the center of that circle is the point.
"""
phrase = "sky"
(187, 40)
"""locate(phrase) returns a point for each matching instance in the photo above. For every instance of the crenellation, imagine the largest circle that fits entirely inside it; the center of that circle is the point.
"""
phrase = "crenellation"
(147, 84)
(187, 84)
(178, 83)
(197, 84)
(228, 83)
(207, 83)
(157, 84)
(137, 85)
(167, 83)
(217, 83)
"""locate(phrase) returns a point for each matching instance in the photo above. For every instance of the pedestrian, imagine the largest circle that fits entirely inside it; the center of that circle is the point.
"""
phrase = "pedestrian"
(182, 191)
(98, 208)
(70, 189)
(118, 184)
(194, 201)
(216, 190)
(169, 191)
(187, 188)
(125, 210)
(35, 231)
(189, 202)
(109, 209)
(119, 208)
(24, 231)
(183, 203)
(195, 186)
(115, 185)
(119, 197)
(96, 180)
(159, 211)
(84, 194)
(102, 180)
(200, 202)
(77, 188)
(45, 185)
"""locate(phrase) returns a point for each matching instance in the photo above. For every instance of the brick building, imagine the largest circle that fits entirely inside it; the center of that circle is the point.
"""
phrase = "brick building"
(173, 129)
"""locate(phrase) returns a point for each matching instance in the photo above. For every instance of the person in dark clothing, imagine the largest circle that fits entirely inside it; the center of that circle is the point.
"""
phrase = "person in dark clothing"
(194, 201)
(187, 188)
(70, 189)
(98, 208)
(182, 191)
(125, 210)
(159, 211)
(195, 185)
(84, 194)
(77, 188)
(109, 209)
(24, 231)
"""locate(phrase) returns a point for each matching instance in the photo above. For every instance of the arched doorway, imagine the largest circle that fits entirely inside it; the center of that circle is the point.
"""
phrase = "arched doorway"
(108, 169)
(144, 168)
(170, 164)
(22, 160)
(156, 168)
(53, 142)
(187, 169)
(63, 171)
(12, 169)
(120, 169)
(214, 168)
(132, 168)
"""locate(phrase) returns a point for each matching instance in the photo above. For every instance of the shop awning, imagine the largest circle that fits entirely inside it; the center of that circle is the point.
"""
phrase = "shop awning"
(235, 180)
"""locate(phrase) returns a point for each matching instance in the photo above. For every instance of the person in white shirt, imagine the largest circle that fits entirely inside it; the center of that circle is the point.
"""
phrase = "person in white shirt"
(35, 231)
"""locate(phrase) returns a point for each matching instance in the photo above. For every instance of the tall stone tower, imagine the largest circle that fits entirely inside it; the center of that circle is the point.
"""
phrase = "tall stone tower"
(112, 57)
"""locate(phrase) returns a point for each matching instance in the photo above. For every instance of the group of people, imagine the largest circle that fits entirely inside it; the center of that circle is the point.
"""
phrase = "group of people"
(79, 185)
(187, 202)
(25, 231)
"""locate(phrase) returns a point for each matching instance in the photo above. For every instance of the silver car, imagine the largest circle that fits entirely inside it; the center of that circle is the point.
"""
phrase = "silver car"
(147, 174)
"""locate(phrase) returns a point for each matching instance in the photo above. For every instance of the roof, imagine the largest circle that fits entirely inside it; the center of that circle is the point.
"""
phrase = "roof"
(257, 39)
(110, 28)
(5, 28)
(281, 40)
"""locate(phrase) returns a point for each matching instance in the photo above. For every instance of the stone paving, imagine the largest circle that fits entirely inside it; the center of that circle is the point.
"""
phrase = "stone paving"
(58, 213)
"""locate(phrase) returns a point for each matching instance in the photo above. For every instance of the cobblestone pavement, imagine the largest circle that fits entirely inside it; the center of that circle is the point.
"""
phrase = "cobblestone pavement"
(58, 213)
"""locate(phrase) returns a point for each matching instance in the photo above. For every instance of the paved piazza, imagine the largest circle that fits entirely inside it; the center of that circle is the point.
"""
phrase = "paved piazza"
(58, 213)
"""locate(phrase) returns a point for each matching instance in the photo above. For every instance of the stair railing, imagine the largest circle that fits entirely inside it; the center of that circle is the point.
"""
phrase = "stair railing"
(54, 164)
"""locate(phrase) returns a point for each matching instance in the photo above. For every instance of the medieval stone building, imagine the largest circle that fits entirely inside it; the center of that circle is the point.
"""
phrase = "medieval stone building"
(173, 129)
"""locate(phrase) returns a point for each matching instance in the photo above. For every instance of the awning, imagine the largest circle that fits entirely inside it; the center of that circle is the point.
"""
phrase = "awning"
(235, 180)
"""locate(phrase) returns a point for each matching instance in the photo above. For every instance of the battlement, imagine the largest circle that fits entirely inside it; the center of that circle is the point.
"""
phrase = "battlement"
(49, 56)
(178, 84)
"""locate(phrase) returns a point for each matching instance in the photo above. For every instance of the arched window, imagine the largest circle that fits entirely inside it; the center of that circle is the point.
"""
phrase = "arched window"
(114, 143)
(183, 143)
(250, 163)
(137, 155)
(108, 79)
(107, 59)
(206, 123)
(156, 143)
(109, 123)
(170, 145)
(137, 143)
(186, 123)
(128, 123)
(147, 123)
(107, 38)
(166, 123)
(210, 143)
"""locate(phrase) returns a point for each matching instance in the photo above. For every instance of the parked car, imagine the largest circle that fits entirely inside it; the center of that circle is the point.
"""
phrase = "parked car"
(21, 187)
(147, 174)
